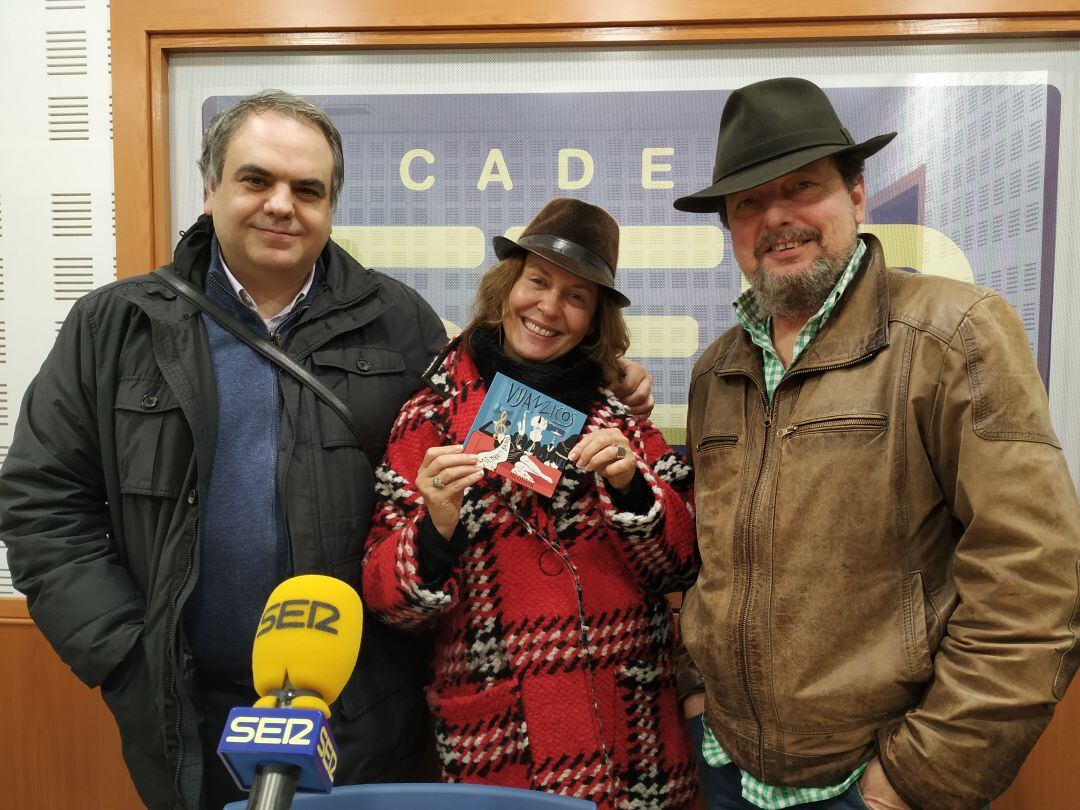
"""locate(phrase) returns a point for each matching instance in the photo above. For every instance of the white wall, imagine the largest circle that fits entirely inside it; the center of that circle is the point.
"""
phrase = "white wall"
(56, 182)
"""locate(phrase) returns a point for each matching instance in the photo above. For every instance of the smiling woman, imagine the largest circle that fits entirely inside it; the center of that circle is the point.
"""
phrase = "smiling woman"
(548, 312)
(557, 276)
(524, 592)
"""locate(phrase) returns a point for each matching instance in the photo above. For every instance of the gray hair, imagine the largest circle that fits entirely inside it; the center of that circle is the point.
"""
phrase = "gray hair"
(224, 125)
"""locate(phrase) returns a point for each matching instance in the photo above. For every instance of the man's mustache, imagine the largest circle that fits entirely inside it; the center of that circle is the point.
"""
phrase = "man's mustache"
(767, 240)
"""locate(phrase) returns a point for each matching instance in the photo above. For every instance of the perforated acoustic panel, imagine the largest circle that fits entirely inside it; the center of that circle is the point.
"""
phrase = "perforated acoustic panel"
(56, 185)
(69, 118)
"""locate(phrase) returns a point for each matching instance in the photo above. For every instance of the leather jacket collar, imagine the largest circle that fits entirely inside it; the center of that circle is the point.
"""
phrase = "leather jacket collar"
(857, 328)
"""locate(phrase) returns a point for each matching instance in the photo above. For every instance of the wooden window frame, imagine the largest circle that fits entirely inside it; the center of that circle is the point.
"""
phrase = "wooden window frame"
(146, 33)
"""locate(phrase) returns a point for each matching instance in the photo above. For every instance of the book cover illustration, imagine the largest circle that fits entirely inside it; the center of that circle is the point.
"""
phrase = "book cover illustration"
(523, 434)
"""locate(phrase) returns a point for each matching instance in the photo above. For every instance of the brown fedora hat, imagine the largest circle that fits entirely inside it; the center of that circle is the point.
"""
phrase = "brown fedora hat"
(575, 235)
(771, 128)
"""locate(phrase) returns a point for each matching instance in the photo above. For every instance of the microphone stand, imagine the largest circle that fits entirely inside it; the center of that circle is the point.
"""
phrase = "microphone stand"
(275, 784)
(273, 787)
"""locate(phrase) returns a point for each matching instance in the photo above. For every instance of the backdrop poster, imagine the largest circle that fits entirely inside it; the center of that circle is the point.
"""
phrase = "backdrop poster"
(968, 190)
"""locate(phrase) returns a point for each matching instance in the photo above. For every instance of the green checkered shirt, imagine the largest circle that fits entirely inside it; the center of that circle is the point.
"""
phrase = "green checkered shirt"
(759, 329)
(766, 796)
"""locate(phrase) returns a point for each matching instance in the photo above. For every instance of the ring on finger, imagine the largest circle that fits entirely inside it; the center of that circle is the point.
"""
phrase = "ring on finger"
(437, 482)
(620, 452)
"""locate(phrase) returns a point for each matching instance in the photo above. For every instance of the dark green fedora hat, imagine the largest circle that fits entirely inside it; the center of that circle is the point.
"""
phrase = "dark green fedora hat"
(771, 128)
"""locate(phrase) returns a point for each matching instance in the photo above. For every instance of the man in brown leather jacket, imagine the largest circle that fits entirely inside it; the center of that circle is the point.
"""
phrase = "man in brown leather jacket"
(886, 612)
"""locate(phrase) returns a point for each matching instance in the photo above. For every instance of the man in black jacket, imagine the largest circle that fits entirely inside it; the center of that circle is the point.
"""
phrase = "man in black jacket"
(164, 477)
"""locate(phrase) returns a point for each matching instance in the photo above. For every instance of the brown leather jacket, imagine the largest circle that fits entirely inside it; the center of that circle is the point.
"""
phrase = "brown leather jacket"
(889, 549)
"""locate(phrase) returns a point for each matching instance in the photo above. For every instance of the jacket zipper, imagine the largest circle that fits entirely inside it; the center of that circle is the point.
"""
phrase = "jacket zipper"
(744, 621)
(280, 465)
(192, 499)
(744, 615)
(835, 423)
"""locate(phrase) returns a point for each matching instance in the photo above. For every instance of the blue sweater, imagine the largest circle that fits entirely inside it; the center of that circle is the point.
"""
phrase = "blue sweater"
(243, 542)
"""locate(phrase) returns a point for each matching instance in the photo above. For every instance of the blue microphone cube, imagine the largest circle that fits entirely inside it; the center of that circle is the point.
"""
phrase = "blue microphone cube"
(300, 737)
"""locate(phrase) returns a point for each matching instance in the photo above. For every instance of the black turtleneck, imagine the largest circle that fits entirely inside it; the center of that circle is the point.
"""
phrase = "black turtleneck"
(573, 379)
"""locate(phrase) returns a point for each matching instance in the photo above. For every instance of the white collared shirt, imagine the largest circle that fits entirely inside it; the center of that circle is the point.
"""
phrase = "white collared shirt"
(273, 322)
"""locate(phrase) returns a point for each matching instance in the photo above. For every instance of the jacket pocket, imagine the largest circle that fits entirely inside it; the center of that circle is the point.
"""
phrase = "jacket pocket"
(151, 434)
(370, 380)
(716, 442)
(1070, 659)
(822, 604)
(721, 479)
(482, 736)
(841, 422)
(365, 361)
(649, 729)
(922, 664)
(129, 693)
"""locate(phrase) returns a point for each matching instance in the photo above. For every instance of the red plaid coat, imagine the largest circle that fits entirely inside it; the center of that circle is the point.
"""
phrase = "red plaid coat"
(553, 666)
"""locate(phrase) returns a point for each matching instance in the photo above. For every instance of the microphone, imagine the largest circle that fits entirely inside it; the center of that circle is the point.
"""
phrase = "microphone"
(304, 652)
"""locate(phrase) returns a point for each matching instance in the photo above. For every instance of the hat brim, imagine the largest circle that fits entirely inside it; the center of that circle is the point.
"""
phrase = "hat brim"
(506, 247)
(712, 198)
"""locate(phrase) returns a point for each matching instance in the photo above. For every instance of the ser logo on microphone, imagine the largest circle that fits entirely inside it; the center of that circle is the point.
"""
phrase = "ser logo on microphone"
(263, 730)
(270, 730)
(326, 752)
(298, 614)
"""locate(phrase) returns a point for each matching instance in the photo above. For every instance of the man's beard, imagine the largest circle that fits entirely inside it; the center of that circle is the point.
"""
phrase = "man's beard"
(786, 295)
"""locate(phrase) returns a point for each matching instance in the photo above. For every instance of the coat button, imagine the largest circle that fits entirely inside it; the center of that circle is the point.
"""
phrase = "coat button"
(550, 563)
(149, 401)
(363, 364)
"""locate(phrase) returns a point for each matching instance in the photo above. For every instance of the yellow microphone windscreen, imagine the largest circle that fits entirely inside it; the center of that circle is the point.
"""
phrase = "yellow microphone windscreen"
(309, 637)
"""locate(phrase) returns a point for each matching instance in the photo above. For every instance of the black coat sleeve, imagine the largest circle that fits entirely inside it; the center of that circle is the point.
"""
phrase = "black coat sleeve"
(54, 516)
